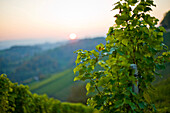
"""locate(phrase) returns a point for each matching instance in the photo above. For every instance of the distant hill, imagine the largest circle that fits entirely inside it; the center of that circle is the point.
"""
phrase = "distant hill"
(22, 63)
(50, 44)
(12, 58)
(165, 22)
(167, 39)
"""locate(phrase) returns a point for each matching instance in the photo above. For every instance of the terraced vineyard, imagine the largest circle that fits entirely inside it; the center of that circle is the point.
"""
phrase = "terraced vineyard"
(58, 85)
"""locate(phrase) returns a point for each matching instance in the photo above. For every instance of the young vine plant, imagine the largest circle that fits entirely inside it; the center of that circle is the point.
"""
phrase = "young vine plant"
(134, 40)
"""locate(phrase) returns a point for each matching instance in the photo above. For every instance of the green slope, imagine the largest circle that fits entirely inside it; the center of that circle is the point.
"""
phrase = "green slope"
(57, 86)
(161, 96)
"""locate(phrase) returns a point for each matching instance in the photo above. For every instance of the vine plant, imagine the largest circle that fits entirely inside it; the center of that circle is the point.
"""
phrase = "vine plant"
(134, 40)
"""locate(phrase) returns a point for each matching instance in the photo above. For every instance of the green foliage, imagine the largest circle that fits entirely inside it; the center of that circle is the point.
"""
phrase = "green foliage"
(165, 22)
(16, 98)
(135, 40)
(5, 89)
(75, 108)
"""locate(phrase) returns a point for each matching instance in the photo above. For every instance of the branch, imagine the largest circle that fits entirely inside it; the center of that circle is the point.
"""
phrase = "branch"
(98, 90)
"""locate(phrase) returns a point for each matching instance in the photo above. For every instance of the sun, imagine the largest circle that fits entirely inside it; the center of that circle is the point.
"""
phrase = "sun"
(73, 36)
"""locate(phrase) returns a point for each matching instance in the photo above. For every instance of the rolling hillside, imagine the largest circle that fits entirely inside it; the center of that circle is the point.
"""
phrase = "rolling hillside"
(57, 85)
(23, 65)
(161, 96)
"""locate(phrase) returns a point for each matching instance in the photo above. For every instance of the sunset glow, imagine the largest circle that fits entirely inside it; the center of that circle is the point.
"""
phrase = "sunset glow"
(73, 36)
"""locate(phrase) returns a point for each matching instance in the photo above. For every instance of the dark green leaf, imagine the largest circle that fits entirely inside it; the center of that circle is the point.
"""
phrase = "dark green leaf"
(119, 22)
(147, 9)
(141, 105)
(160, 66)
(118, 103)
(120, 52)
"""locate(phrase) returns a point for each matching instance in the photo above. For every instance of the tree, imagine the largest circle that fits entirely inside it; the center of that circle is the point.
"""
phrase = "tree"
(166, 21)
(133, 41)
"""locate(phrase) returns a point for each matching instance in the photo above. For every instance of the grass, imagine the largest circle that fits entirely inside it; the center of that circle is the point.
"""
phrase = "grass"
(161, 97)
(57, 86)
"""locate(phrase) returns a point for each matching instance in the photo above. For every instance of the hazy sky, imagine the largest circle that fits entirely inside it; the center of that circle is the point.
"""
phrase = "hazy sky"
(57, 19)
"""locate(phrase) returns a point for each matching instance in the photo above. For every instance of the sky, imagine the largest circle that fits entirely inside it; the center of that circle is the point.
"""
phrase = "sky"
(57, 19)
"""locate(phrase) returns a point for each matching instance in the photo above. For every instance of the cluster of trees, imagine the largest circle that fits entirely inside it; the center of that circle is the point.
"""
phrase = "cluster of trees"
(18, 99)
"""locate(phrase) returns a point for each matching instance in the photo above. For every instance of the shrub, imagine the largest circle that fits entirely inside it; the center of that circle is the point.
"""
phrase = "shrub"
(16, 98)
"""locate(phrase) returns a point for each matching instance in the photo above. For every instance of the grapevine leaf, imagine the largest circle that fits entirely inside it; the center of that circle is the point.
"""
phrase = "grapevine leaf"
(160, 66)
(125, 41)
(100, 47)
(147, 9)
(96, 54)
(119, 22)
(76, 78)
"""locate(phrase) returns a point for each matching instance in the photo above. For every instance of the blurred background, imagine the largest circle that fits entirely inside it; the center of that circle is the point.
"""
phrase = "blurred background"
(38, 38)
